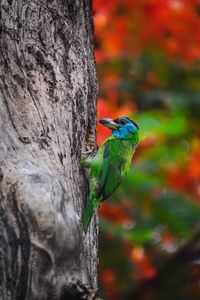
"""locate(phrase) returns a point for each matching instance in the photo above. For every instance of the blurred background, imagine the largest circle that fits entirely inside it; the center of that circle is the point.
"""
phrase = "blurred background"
(148, 65)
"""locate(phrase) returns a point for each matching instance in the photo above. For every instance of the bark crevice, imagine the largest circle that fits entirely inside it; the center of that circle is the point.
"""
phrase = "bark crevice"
(48, 92)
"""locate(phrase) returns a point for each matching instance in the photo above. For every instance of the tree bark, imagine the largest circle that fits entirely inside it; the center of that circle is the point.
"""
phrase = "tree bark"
(48, 94)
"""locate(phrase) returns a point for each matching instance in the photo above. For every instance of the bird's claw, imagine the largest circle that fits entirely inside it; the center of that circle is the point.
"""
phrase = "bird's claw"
(88, 152)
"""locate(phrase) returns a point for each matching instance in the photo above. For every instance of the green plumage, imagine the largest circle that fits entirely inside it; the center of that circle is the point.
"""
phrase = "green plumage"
(107, 170)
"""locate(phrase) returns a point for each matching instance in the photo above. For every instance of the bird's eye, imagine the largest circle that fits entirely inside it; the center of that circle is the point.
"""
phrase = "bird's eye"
(122, 122)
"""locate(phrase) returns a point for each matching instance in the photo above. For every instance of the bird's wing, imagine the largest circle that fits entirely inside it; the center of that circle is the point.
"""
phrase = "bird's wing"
(111, 172)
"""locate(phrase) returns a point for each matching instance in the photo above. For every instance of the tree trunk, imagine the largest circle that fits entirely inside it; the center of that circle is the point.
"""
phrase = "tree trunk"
(47, 116)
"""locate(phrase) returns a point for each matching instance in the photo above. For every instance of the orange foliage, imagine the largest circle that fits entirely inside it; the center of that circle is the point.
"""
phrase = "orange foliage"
(108, 280)
(127, 27)
(187, 178)
(117, 212)
(144, 268)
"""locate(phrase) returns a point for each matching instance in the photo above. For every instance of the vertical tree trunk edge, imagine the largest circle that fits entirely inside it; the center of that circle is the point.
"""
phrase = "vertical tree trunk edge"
(48, 94)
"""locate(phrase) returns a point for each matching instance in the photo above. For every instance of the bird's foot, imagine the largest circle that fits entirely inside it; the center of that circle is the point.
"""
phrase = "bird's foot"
(87, 157)
(88, 153)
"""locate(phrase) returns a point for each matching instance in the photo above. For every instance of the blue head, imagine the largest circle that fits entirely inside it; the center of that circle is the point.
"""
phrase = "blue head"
(123, 127)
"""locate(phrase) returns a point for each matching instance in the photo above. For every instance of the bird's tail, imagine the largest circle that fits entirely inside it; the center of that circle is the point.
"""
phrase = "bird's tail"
(91, 206)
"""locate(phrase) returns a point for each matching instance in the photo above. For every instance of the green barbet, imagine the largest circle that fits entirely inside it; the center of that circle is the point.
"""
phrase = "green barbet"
(111, 163)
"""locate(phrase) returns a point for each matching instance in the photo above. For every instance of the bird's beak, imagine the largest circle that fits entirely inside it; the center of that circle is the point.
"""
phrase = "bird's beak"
(108, 123)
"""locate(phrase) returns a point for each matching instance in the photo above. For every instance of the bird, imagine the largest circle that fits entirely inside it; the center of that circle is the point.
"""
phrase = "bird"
(111, 163)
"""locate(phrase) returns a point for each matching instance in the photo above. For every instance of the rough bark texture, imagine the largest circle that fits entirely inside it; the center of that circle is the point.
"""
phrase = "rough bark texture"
(47, 115)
